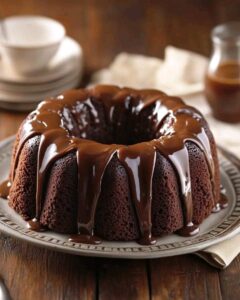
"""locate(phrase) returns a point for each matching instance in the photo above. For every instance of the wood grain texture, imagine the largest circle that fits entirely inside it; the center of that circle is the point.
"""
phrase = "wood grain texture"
(105, 28)
(185, 277)
(230, 280)
(122, 279)
(34, 273)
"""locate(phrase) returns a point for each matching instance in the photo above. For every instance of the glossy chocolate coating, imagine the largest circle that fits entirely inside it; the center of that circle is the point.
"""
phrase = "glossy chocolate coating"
(173, 122)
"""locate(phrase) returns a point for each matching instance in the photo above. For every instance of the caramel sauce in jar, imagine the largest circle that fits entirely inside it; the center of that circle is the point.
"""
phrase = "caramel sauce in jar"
(222, 88)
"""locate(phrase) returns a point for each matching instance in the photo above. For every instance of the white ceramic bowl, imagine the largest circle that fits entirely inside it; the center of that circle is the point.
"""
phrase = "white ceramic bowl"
(27, 43)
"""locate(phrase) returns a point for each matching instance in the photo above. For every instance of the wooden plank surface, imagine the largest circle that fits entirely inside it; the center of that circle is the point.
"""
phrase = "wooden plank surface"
(122, 279)
(181, 277)
(34, 273)
(105, 28)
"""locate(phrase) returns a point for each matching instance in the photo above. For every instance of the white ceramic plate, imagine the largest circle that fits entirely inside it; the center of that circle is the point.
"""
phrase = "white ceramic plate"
(215, 228)
(69, 55)
(16, 88)
(40, 95)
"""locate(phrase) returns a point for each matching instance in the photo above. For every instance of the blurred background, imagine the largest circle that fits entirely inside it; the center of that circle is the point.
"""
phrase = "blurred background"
(106, 27)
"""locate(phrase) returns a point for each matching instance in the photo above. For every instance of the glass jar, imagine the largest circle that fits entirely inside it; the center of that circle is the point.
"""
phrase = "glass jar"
(222, 82)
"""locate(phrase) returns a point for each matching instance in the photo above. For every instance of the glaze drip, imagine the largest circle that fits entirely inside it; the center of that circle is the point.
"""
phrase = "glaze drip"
(35, 225)
(223, 201)
(173, 124)
(140, 167)
(5, 188)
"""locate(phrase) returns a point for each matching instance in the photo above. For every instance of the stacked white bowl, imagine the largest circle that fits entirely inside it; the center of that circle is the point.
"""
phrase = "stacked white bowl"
(37, 61)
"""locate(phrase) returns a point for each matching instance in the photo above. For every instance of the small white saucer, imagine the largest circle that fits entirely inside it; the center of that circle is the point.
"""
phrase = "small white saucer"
(37, 88)
(69, 56)
(33, 97)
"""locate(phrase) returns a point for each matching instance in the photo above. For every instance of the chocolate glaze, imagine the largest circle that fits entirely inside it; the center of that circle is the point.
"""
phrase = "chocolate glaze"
(189, 230)
(5, 188)
(85, 239)
(173, 124)
(35, 225)
(223, 201)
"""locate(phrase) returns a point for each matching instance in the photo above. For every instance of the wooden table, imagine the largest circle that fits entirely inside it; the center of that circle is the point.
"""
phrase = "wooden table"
(105, 28)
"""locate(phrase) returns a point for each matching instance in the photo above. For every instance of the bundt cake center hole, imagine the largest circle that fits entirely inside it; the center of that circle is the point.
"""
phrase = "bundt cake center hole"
(90, 120)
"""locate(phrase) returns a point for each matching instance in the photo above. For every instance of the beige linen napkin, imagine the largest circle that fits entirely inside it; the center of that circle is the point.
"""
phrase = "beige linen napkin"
(140, 71)
(180, 73)
(222, 254)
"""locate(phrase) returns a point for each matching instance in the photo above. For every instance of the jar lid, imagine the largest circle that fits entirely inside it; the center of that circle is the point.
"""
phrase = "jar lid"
(227, 33)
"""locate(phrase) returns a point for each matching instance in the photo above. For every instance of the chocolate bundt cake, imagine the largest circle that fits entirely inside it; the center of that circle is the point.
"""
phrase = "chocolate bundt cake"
(116, 164)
